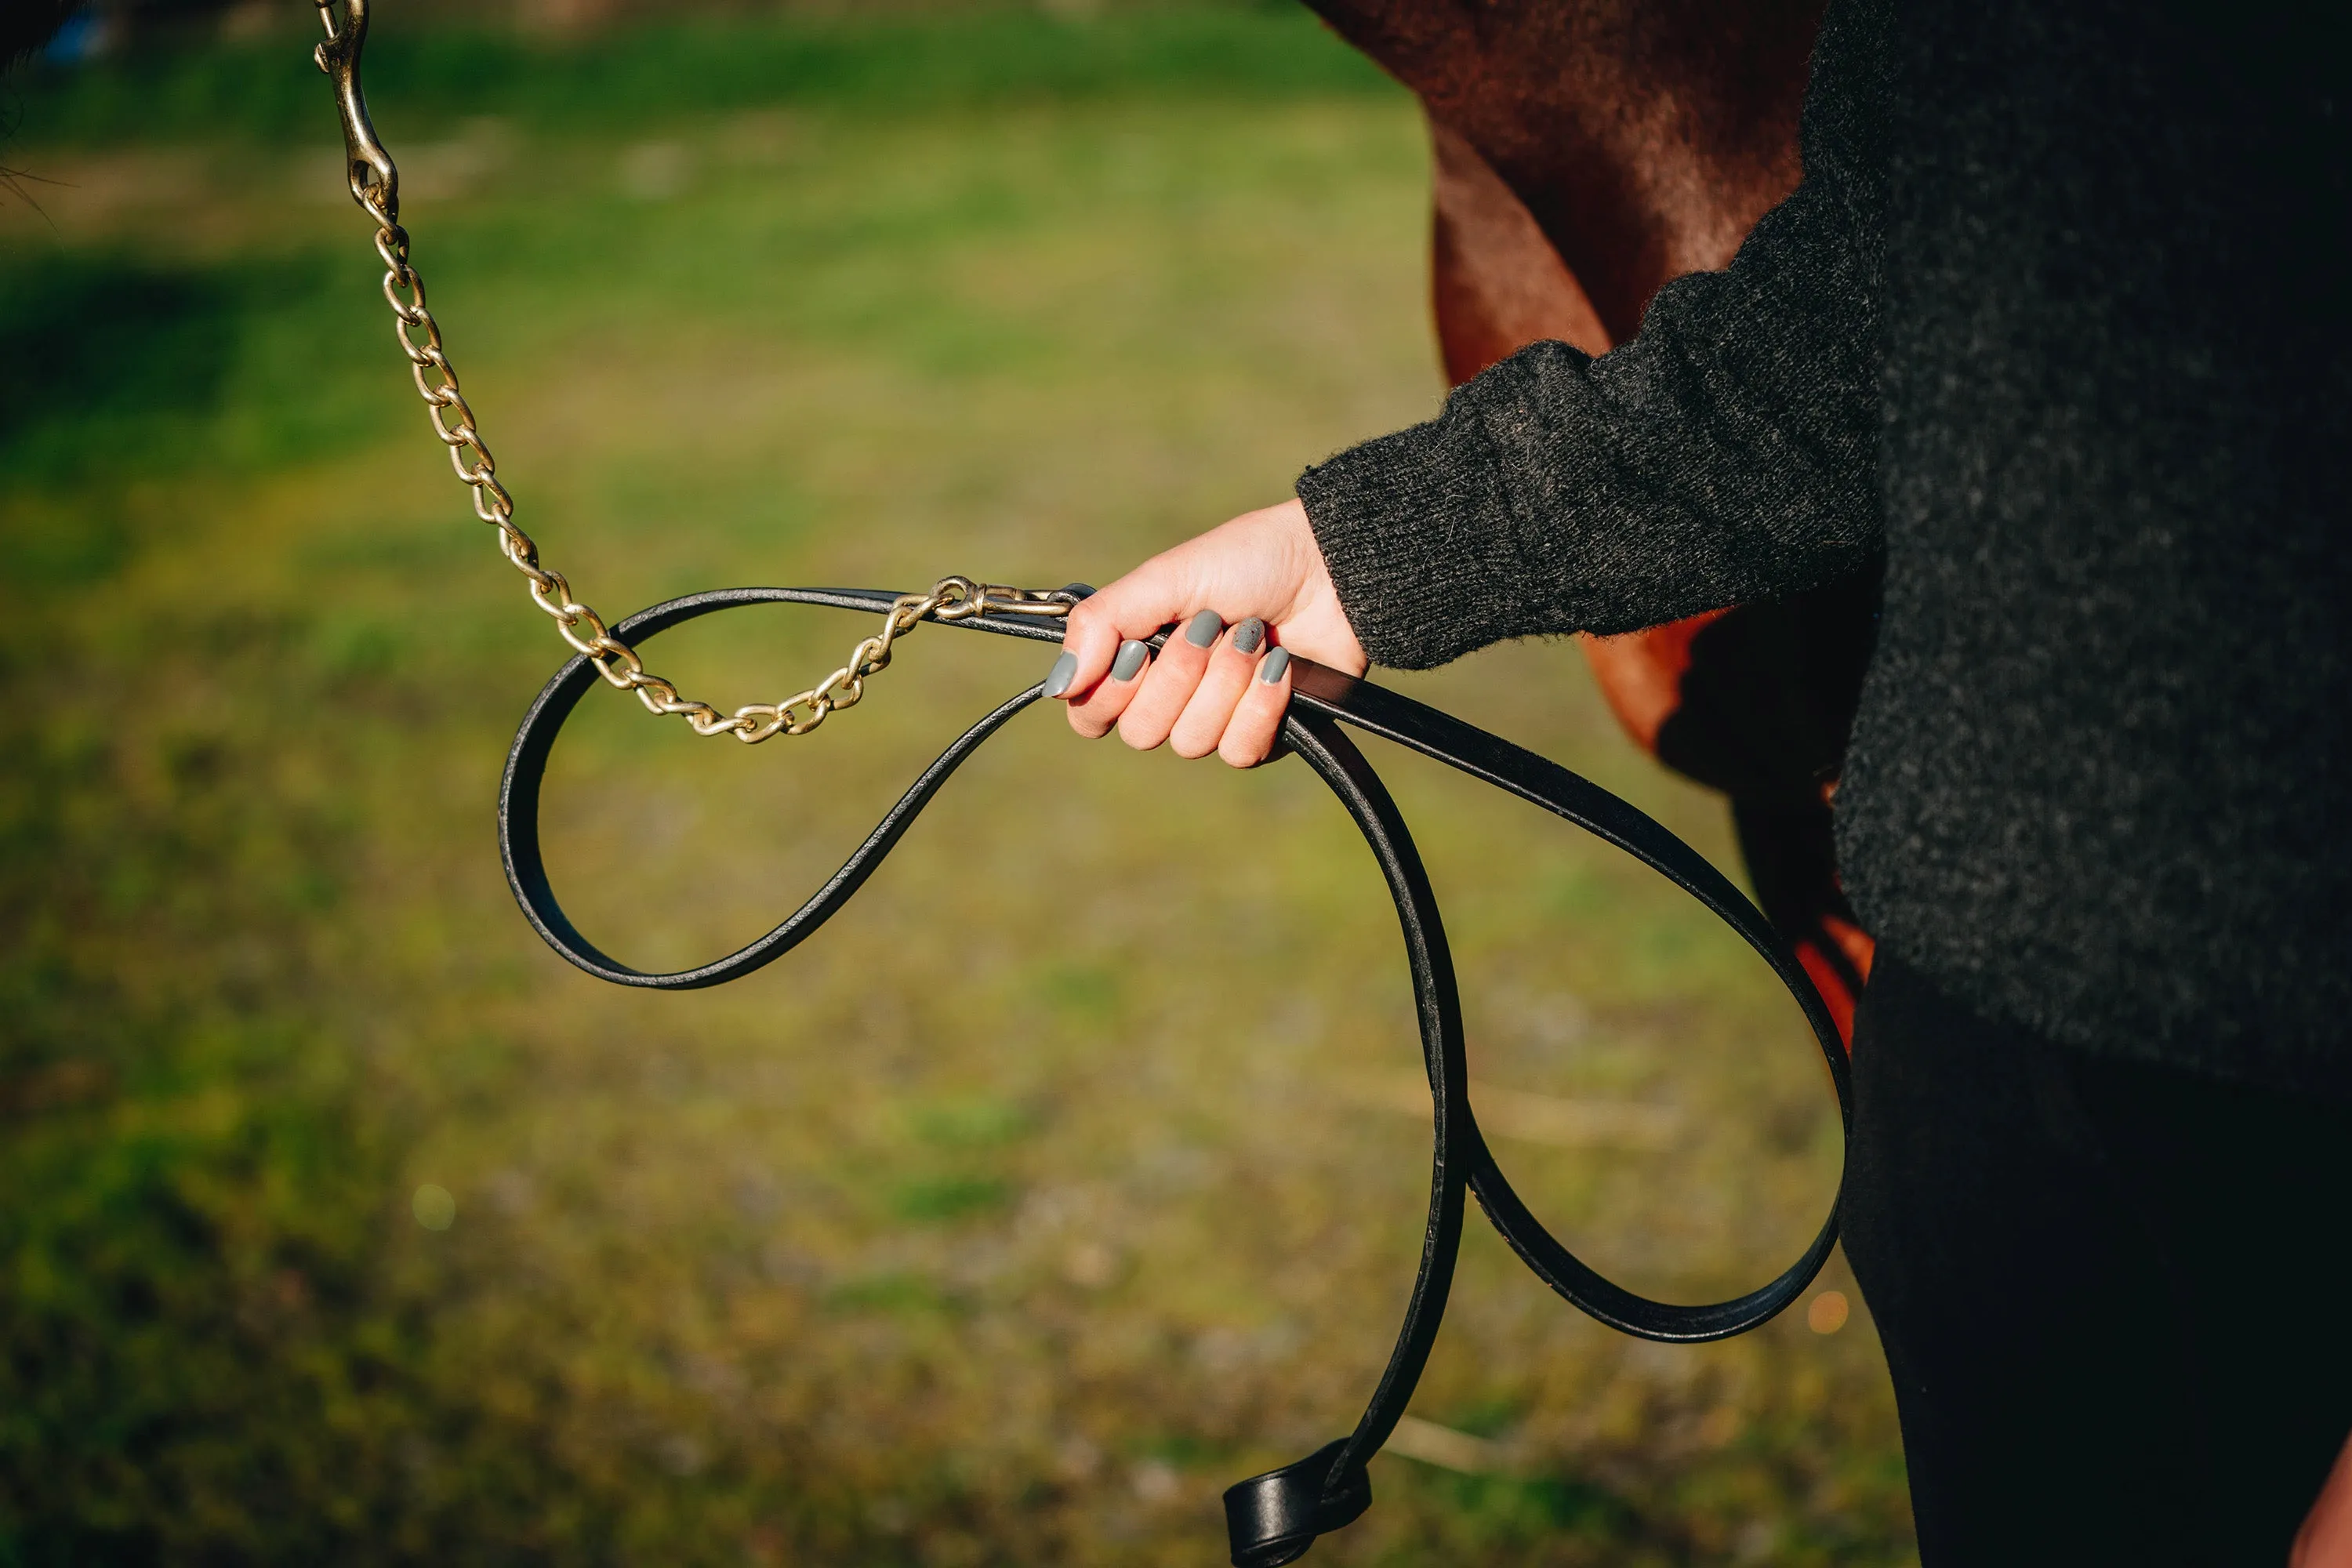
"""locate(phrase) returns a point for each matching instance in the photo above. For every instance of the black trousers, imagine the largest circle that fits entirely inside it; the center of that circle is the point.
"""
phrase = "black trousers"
(2116, 1298)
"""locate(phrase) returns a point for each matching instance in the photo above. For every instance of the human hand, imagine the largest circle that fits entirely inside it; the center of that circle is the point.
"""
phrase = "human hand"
(2325, 1538)
(1246, 597)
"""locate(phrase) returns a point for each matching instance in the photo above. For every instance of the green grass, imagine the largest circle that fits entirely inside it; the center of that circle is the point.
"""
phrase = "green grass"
(955, 60)
(1037, 1198)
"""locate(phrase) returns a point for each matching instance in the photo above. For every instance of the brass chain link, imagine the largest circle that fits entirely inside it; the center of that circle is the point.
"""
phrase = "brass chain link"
(375, 185)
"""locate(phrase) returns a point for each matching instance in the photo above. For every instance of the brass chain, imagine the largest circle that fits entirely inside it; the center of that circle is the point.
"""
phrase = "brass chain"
(375, 185)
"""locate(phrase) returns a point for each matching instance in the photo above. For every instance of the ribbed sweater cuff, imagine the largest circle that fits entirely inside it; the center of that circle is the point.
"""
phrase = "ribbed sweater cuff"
(1406, 526)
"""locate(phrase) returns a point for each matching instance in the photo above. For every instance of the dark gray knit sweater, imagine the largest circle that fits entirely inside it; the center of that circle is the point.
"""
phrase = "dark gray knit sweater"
(2059, 319)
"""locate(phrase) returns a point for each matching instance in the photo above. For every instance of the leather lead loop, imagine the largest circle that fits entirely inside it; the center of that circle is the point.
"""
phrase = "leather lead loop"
(1273, 1519)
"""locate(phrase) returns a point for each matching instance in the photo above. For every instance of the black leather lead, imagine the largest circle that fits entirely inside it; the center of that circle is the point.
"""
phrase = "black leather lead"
(1273, 1518)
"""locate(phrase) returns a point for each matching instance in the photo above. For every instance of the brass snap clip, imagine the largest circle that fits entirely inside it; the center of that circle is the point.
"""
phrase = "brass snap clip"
(376, 184)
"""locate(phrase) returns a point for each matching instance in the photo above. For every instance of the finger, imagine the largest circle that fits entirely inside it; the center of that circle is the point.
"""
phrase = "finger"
(1231, 664)
(1137, 604)
(1167, 685)
(1257, 723)
(1094, 714)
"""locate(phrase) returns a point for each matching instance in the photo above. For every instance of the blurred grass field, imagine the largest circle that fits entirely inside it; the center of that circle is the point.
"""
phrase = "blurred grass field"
(1071, 1175)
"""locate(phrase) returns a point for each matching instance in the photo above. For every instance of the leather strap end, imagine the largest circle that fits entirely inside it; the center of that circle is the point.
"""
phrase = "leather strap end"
(1273, 1519)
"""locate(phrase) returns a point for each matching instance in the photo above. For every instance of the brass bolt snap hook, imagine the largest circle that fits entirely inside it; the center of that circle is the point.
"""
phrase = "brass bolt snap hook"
(376, 184)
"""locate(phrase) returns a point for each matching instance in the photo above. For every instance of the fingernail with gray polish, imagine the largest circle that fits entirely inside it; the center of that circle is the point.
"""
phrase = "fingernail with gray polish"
(1249, 634)
(1203, 630)
(1270, 669)
(1066, 669)
(1131, 654)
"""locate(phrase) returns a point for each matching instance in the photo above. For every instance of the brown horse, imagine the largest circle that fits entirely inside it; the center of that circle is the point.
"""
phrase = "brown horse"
(1588, 151)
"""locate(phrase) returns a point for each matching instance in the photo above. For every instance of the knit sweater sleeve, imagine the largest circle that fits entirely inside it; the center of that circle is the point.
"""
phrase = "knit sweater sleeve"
(1725, 453)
